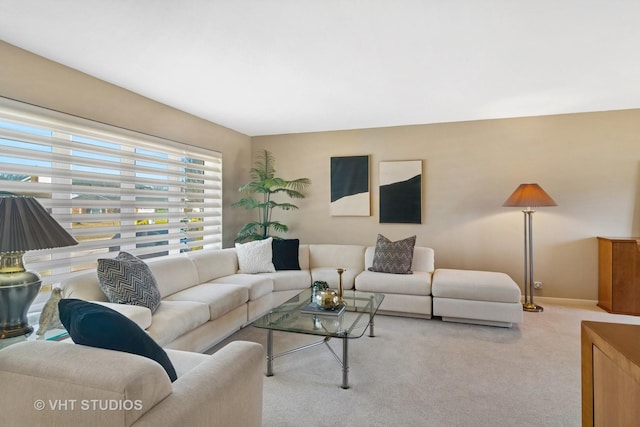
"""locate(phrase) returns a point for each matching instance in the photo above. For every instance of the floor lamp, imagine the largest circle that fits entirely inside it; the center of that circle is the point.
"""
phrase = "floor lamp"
(529, 196)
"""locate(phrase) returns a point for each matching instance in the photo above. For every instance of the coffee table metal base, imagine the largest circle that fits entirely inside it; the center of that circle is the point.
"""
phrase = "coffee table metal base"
(344, 362)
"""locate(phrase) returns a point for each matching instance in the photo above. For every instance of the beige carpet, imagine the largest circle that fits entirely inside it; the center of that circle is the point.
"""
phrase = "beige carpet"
(431, 373)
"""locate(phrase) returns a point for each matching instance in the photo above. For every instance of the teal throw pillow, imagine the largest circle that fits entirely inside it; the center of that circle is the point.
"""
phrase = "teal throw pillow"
(95, 325)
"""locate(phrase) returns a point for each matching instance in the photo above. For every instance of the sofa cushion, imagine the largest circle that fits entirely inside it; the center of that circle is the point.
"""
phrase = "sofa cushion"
(141, 316)
(214, 263)
(175, 318)
(126, 279)
(287, 280)
(255, 257)
(84, 286)
(220, 298)
(99, 326)
(418, 283)
(330, 275)
(393, 257)
(285, 254)
(350, 257)
(303, 256)
(174, 273)
(184, 361)
(423, 259)
(258, 285)
(475, 285)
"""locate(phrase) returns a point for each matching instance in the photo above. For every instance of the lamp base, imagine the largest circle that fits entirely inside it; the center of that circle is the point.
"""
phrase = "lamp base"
(532, 307)
(17, 291)
(16, 332)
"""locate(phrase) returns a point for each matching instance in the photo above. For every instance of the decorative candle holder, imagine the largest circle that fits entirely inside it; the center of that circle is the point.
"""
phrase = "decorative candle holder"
(340, 287)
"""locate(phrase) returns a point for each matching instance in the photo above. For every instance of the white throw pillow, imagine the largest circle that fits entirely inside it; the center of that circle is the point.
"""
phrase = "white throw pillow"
(255, 257)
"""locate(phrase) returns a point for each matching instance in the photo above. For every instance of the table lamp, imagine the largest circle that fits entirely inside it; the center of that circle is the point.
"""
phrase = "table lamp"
(529, 196)
(24, 226)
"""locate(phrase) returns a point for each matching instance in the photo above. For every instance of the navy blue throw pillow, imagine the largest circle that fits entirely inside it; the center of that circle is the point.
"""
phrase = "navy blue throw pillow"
(98, 326)
(285, 254)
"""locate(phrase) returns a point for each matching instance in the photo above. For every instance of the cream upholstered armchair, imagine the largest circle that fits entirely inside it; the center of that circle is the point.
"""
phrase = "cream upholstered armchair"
(64, 384)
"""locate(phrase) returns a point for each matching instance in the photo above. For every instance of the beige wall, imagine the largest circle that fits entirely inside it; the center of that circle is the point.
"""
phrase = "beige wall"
(30, 78)
(589, 163)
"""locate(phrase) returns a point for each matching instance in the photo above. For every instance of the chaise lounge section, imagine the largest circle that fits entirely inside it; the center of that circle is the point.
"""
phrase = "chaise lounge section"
(480, 297)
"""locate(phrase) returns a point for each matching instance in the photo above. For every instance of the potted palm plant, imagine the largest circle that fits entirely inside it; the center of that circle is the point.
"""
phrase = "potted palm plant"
(260, 190)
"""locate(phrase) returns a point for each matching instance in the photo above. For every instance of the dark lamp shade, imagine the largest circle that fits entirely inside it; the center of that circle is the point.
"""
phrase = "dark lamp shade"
(25, 225)
(531, 196)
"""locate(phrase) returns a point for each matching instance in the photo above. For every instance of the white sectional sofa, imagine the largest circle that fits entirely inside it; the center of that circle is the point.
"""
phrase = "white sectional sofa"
(205, 298)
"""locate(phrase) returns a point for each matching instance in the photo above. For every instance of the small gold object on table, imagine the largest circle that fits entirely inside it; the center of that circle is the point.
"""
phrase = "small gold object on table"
(327, 299)
(324, 303)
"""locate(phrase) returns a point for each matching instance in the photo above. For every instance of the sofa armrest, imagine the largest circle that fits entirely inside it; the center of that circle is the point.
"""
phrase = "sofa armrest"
(225, 390)
(56, 384)
(63, 384)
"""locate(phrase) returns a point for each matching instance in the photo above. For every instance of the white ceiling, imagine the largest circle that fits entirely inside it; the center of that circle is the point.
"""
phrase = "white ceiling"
(283, 66)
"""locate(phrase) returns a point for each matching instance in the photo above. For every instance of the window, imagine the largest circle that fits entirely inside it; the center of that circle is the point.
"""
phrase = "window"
(112, 189)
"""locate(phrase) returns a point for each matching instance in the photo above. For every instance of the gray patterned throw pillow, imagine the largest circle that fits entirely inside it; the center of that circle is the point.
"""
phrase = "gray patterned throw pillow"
(393, 257)
(127, 279)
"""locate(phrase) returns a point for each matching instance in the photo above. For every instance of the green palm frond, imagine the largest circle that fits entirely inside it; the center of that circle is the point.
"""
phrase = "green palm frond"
(294, 194)
(263, 168)
(277, 226)
(247, 203)
(264, 184)
(286, 206)
(299, 184)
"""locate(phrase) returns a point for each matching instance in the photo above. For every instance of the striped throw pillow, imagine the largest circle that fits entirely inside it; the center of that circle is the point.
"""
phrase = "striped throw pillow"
(393, 257)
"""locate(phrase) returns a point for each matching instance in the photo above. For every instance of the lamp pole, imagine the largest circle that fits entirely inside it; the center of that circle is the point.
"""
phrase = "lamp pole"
(528, 263)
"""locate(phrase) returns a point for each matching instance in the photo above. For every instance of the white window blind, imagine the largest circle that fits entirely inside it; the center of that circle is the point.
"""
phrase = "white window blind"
(112, 189)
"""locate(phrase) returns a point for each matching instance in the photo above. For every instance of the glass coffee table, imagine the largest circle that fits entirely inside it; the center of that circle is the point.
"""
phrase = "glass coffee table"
(361, 307)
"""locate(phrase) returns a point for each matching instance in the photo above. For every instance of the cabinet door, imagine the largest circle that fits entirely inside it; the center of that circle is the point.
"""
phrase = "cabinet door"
(625, 287)
(615, 393)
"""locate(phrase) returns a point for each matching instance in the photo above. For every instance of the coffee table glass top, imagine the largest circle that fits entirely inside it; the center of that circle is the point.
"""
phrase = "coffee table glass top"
(352, 323)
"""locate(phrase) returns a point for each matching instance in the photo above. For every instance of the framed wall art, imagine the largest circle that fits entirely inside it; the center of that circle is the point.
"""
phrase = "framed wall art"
(350, 186)
(401, 192)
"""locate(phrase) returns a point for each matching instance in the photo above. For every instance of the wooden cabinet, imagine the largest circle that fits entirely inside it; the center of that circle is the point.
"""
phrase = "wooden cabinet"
(610, 374)
(619, 275)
